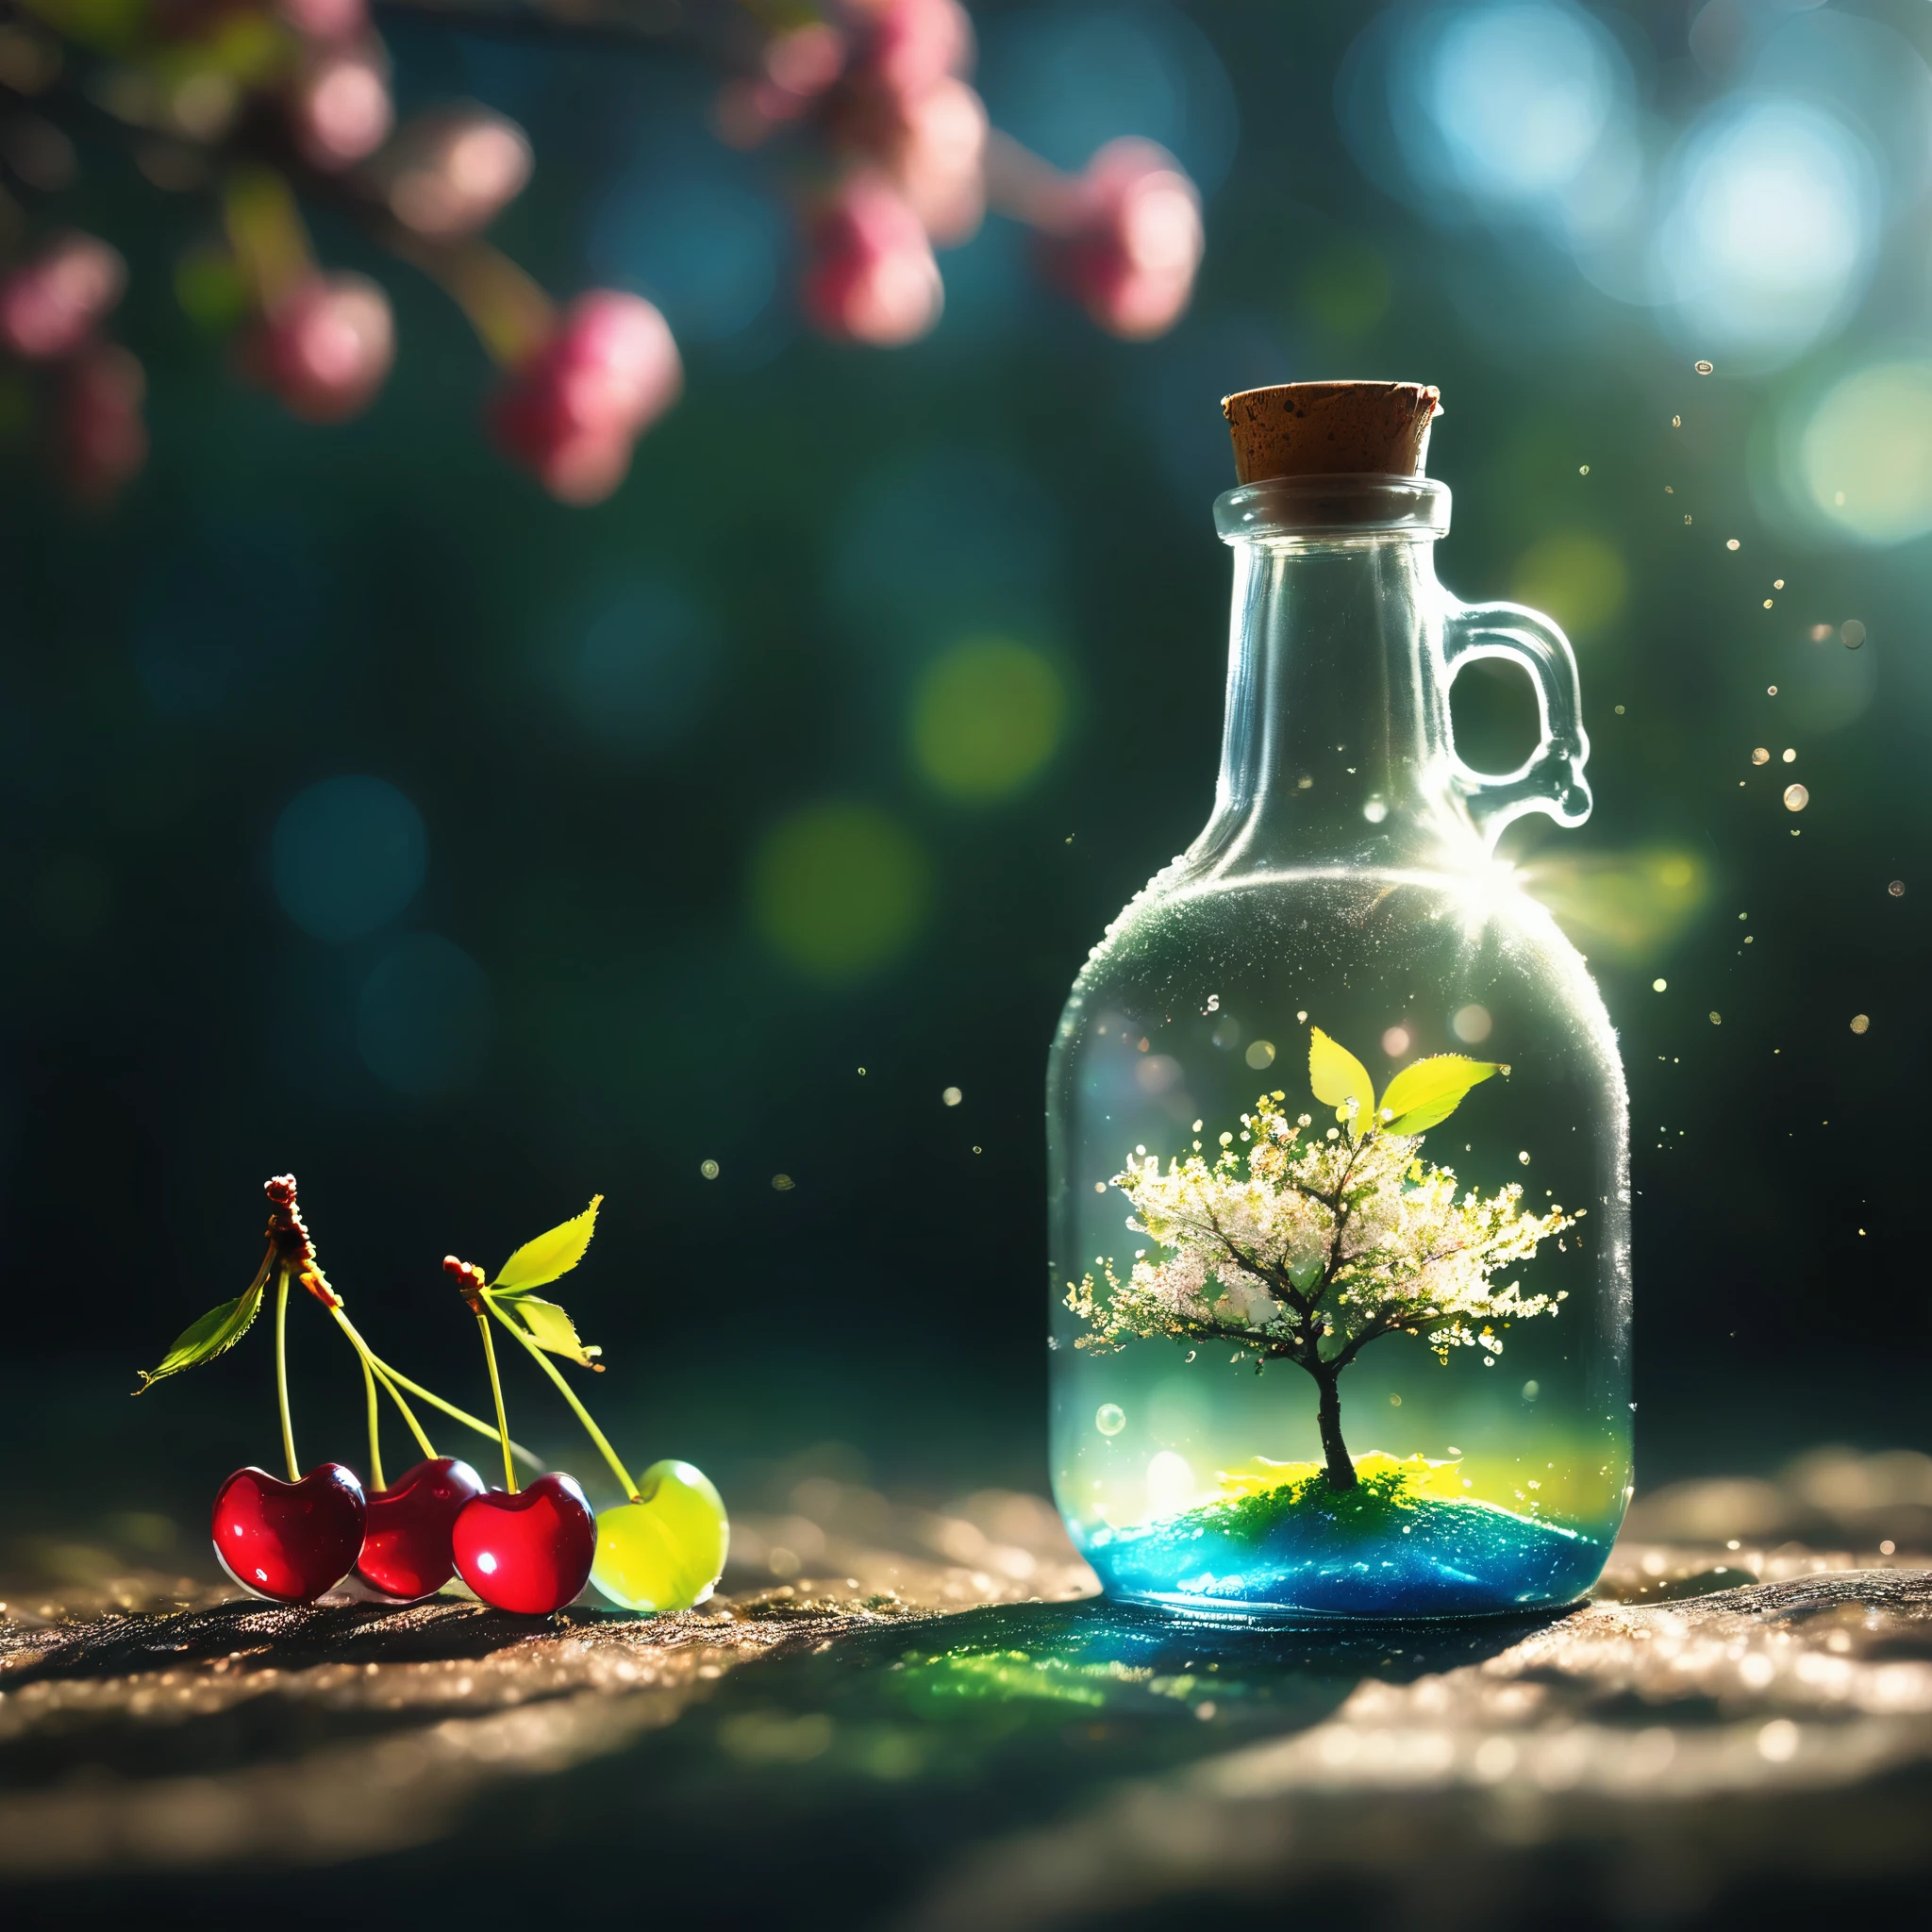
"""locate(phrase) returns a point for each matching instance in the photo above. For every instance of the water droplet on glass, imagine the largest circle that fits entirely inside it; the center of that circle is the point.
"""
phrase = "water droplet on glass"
(1862, 1023)
(1790, 755)
(1704, 368)
(1109, 1418)
(783, 1182)
(709, 1169)
(1301, 1018)
(1897, 889)
(1583, 470)
(1852, 632)
(1761, 755)
(1730, 543)
(1676, 422)
(1716, 1019)
(1796, 798)
(952, 1096)
(1260, 1054)
(1770, 691)
(1531, 1390)
(1777, 583)
(1524, 1156)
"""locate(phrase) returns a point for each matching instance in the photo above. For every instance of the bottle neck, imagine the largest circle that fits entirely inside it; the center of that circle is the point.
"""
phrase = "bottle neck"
(1336, 747)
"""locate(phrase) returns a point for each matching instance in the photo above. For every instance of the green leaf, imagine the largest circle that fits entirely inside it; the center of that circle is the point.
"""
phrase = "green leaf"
(550, 1255)
(1337, 1077)
(217, 1332)
(550, 1328)
(1431, 1089)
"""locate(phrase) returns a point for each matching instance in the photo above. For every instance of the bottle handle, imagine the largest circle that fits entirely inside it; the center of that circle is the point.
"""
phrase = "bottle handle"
(1551, 780)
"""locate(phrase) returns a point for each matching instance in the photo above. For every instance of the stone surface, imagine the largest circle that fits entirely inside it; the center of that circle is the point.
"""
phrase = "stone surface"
(927, 1723)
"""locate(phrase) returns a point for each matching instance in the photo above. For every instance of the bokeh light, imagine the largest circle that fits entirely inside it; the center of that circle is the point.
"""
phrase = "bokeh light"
(639, 677)
(1865, 454)
(1518, 95)
(986, 718)
(348, 855)
(1579, 578)
(1771, 228)
(426, 1021)
(839, 889)
(1622, 907)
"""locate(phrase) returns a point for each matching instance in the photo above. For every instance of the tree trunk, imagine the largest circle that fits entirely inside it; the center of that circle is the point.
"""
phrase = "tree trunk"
(1341, 1471)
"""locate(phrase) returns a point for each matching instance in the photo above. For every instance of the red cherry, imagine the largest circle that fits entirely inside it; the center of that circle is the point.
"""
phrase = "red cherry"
(531, 1552)
(290, 1542)
(405, 1547)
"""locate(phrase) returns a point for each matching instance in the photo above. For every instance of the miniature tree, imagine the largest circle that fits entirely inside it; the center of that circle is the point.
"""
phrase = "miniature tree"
(1306, 1248)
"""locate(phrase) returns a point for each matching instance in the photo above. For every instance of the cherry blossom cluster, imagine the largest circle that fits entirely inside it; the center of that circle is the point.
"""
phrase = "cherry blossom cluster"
(909, 164)
(1315, 1240)
(266, 104)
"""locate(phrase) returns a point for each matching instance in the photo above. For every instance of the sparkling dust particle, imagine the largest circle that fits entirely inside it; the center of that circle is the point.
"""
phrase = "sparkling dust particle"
(952, 1096)
(1790, 755)
(783, 1183)
(1796, 798)
(709, 1169)
(1658, 985)
(1897, 889)
(1730, 543)
(1704, 368)
(1862, 1023)
(1761, 755)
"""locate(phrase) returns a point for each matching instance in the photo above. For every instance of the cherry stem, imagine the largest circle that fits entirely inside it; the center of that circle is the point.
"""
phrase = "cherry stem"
(509, 1472)
(384, 1375)
(394, 1380)
(282, 1373)
(409, 1414)
(374, 1426)
(569, 1394)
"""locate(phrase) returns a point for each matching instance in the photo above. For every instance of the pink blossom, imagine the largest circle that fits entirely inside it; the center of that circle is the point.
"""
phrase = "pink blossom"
(572, 409)
(451, 174)
(49, 305)
(1126, 240)
(909, 45)
(99, 436)
(326, 20)
(872, 277)
(324, 349)
(341, 108)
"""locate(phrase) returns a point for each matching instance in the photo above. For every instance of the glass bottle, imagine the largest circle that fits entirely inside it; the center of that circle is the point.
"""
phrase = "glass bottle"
(1345, 881)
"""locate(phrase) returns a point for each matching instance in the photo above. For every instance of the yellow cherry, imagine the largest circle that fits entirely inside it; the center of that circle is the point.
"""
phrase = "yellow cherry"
(666, 1551)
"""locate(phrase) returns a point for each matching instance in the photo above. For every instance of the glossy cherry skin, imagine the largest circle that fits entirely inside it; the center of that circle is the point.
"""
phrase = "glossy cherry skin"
(290, 1542)
(406, 1547)
(531, 1552)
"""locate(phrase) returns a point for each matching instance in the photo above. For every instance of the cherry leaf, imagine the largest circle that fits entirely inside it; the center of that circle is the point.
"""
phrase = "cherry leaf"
(550, 1255)
(1337, 1077)
(550, 1328)
(217, 1332)
(1429, 1091)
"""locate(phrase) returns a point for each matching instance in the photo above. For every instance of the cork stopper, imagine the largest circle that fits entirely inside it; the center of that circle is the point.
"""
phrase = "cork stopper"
(1330, 429)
